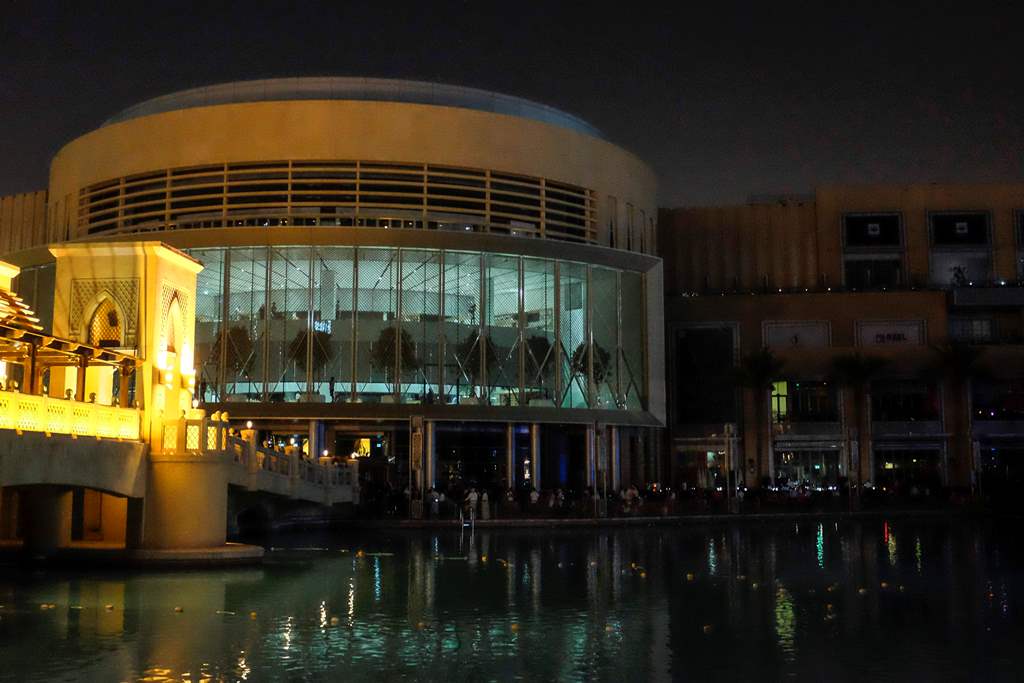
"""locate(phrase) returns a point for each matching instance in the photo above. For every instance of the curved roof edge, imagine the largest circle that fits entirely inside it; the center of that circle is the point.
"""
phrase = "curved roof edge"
(353, 88)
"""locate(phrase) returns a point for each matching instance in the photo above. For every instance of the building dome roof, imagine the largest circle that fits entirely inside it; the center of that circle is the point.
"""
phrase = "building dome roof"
(350, 88)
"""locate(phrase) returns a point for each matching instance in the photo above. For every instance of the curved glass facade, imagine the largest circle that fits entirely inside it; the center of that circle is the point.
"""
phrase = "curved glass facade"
(411, 325)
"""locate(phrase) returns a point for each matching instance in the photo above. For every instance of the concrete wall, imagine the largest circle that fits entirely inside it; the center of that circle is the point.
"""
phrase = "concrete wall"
(798, 243)
(22, 220)
(187, 501)
(351, 130)
(117, 467)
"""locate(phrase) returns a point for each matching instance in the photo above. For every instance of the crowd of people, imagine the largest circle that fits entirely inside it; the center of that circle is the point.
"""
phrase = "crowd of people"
(472, 501)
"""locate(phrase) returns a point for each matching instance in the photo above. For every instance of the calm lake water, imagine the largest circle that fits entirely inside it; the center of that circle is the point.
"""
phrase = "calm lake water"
(890, 599)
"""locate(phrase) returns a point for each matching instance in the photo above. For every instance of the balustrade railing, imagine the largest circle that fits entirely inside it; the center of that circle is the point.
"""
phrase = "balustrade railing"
(260, 459)
(33, 413)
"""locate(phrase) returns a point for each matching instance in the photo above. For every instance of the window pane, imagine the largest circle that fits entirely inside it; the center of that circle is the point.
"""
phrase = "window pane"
(873, 274)
(377, 305)
(288, 324)
(462, 378)
(502, 330)
(960, 229)
(958, 269)
(572, 334)
(332, 323)
(244, 331)
(632, 386)
(880, 230)
(604, 314)
(421, 307)
(539, 331)
(209, 326)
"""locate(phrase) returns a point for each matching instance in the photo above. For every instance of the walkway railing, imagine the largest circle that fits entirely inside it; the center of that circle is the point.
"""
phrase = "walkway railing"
(32, 413)
(292, 465)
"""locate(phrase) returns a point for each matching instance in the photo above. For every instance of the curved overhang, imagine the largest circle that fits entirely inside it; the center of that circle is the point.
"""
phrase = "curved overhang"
(369, 237)
(355, 89)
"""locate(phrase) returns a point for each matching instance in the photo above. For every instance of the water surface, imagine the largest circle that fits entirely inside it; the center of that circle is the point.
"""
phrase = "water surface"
(822, 600)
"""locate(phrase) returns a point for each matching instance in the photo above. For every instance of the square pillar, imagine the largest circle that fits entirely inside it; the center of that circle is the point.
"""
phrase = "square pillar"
(615, 454)
(510, 456)
(591, 439)
(535, 455)
(429, 454)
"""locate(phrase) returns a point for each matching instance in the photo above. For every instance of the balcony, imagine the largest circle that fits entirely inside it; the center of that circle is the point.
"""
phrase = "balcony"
(797, 429)
(990, 295)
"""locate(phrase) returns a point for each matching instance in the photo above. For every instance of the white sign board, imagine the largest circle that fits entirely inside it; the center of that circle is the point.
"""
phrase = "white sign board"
(802, 334)
(890, 332)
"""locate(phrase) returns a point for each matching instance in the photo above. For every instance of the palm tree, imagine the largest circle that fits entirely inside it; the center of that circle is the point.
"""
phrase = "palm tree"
(756, 371)
(957, 364)
(853, 373)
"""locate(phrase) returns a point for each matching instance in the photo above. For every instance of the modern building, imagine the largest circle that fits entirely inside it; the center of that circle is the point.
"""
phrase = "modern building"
(893, 317)
(458, 284)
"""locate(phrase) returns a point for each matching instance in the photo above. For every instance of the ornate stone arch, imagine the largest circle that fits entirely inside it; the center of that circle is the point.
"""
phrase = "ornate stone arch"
(174, 317)
(106, 324)
(88, 294)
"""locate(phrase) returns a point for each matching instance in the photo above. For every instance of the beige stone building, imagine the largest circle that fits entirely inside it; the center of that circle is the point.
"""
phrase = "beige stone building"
(896, 315)
(458, 284)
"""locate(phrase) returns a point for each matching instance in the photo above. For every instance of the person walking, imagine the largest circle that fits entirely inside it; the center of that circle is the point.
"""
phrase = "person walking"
(485, 506)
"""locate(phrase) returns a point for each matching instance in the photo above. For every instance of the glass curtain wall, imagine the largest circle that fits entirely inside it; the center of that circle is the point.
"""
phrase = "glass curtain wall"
(379, 342)
(210, 332)
(604, 326)
(333, 304)
(503, 309)
(288, 356)
(539, 332)
(461, 328)
(572, 335)
(385, 325)
(632, 306)
(420, 314)
(245, 327)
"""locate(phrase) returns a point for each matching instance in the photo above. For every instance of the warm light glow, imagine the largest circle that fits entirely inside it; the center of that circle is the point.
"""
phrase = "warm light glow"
(248, 424)
(186, 359)
(32, 413)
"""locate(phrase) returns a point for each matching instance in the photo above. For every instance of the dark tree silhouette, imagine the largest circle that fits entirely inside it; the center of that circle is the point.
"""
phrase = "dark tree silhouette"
(239, 349)
(853, 372)
(756, 372)
(323, 351)
(384, 351)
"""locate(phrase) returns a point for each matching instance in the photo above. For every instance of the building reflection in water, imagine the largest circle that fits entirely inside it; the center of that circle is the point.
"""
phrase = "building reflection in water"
(766, 600)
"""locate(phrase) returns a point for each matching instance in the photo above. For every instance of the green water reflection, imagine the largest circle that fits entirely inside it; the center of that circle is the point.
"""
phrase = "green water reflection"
(824, 600)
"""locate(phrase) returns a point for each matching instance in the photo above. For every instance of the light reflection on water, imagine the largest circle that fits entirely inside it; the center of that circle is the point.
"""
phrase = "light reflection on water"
(754, 600)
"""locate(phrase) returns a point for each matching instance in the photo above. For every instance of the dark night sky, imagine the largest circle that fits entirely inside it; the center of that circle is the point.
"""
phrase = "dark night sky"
(723, 100)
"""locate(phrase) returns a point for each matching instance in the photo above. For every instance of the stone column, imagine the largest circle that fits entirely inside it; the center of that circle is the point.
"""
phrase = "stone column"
(186, 502)
(429, 454)
(535, 455)
(591, 437)
(47, 519)
(510, 455)
(615, 454)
